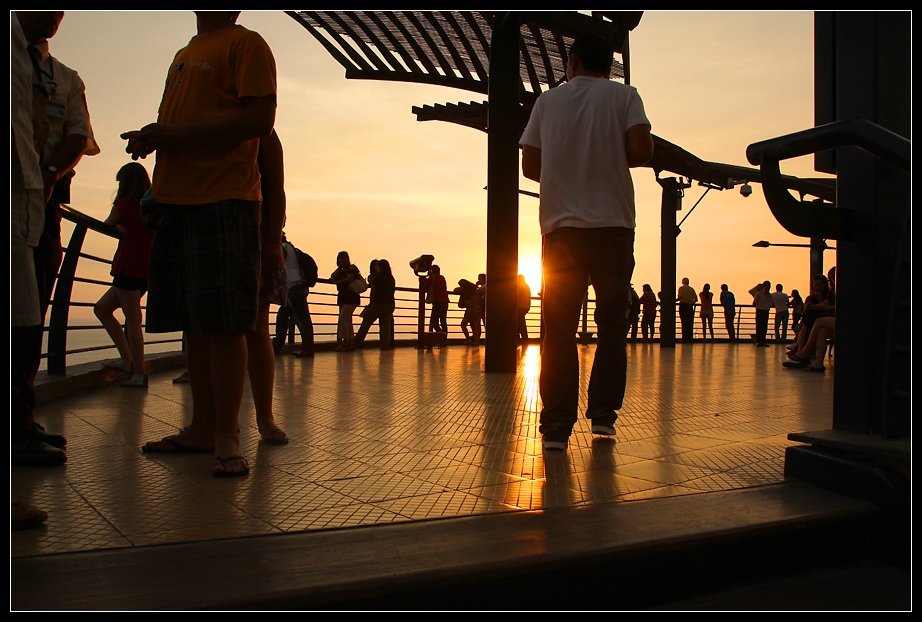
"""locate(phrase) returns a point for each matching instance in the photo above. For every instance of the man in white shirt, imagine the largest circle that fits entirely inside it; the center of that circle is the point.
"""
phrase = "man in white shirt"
(782, 302)
(580, 143)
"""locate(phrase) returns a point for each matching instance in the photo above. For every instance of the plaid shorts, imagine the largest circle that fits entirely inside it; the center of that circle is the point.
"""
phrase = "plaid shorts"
(204, 269)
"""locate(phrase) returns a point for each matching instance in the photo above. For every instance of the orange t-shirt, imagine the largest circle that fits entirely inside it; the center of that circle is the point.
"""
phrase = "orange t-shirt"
(206, 81)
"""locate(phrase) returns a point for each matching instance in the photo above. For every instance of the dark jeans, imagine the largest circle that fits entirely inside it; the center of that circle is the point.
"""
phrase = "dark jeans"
(761, 326)
(573, 257)
(300, 313)
(781, 324)
(648, 324)
(687, 315)
(729, 318)
(438, 320)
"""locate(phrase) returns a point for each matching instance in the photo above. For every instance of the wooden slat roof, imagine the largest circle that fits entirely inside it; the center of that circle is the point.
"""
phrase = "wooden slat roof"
(452, 48)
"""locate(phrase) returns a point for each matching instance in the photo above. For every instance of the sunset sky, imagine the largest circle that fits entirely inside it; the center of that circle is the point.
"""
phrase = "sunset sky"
(363, 175)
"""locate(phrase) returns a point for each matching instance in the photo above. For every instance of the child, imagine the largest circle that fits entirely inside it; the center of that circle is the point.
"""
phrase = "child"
(129, 272)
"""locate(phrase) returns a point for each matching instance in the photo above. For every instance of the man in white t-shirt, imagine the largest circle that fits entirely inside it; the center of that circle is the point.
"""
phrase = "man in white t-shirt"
(580, 143)
(782, 303)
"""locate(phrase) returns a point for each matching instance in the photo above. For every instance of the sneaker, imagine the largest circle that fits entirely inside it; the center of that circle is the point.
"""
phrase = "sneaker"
(118, 365)
(604, 428)
(555, 440)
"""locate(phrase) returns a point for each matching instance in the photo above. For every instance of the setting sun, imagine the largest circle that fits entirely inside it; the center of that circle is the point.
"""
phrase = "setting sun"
(531, 268)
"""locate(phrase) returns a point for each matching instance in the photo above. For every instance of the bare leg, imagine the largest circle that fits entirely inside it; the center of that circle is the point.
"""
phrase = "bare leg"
(105, 310)
(824, 330)
(809, 347)
(261, 370)
(130, 302)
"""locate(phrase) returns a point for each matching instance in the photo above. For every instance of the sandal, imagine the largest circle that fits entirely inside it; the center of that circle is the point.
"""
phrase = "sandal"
(302, 354)
(266, 437)
(139, 381)
(812, 368)
(225, 473)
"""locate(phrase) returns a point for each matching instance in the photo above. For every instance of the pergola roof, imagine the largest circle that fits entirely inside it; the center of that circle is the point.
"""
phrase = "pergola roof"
(452, 48)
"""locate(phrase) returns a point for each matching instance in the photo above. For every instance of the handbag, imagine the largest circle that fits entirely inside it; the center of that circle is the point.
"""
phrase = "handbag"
(358, 285)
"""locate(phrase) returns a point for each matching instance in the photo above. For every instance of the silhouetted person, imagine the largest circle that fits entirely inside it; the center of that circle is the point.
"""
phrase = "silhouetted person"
(129, 275)
(438, 288)
(219, 100)
(62, 121)
(380, 306)
(301, 272)
(687, 298)
(782, 304)
(648, 304)
(579, 144)
(728, 301)
(762, 301)
(523, 304)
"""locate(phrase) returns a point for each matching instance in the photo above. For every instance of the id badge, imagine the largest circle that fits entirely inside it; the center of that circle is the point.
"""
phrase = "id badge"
(56, 110)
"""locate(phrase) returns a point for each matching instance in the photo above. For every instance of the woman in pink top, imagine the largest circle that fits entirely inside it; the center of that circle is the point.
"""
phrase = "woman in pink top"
(129, 274)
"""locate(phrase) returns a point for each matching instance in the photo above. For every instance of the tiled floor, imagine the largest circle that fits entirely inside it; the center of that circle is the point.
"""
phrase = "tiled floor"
(409, 435)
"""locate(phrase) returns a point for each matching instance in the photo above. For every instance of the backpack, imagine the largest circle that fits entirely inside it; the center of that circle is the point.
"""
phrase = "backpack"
(308, 267)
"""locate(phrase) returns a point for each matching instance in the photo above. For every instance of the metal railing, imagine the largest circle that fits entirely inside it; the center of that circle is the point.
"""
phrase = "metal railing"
(322, 303)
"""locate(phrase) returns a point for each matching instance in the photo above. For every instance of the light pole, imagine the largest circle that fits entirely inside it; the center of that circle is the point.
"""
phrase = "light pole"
(816, 246)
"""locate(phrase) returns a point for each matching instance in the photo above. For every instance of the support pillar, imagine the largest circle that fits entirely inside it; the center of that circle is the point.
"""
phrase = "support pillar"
(504, 129)
(671, 203)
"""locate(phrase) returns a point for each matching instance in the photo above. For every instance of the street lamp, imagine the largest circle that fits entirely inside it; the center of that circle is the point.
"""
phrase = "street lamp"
(816, 246)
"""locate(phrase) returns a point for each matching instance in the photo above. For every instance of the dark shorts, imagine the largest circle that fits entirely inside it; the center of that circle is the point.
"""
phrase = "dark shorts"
(129, 283)
(204, 269)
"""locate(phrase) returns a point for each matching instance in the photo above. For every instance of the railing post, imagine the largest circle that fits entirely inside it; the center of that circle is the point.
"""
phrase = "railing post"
(421, 312)
(60, 305)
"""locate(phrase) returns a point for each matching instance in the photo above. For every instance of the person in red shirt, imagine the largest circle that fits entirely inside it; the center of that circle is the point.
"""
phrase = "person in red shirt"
(129, 274)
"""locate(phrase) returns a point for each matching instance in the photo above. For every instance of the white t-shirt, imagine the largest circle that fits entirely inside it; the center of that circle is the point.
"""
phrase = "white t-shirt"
(292, 269)
(781, 301)
(580, 128)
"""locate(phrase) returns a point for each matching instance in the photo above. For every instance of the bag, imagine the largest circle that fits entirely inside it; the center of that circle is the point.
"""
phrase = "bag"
(358, 285)
(308, 268)
(430, 294)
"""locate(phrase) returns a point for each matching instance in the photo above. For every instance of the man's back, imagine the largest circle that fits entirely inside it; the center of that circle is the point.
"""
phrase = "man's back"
(580, 128)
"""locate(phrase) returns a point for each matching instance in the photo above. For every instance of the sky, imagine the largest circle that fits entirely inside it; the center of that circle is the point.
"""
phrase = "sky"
(363, 175)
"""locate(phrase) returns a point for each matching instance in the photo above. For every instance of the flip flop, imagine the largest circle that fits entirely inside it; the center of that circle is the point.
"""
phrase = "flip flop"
(266, 437)
(178, 448)
(812, 368)
(225, 473)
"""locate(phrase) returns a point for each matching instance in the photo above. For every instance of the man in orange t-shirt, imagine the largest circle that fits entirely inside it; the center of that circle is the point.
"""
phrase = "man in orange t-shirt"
(218, 101)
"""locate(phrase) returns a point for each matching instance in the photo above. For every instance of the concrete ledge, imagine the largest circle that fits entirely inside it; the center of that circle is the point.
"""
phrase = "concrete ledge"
(88, 376)
(608, 549)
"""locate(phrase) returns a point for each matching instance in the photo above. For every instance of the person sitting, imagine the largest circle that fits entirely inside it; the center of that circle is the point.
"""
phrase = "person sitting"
(815, 347)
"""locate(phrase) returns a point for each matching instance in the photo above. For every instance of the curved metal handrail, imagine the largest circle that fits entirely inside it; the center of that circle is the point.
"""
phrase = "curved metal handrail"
(820, 219)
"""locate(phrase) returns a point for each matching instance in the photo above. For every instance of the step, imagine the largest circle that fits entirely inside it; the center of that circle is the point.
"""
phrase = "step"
(615, 556)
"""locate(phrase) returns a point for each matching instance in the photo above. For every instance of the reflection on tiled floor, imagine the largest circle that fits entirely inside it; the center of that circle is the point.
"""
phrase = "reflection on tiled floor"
(407, 435)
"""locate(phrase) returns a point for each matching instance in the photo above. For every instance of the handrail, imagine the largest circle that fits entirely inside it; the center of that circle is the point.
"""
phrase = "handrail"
(876, 140)
(820, 219)
(323, 306)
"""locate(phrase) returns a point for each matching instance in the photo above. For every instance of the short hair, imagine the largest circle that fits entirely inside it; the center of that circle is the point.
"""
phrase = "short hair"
(594, 52)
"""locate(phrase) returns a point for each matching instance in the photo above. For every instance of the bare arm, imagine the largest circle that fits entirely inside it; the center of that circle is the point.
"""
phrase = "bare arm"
(255, 119)
(273, 174)
(64, 160)
(531, 162)
(639, 145)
